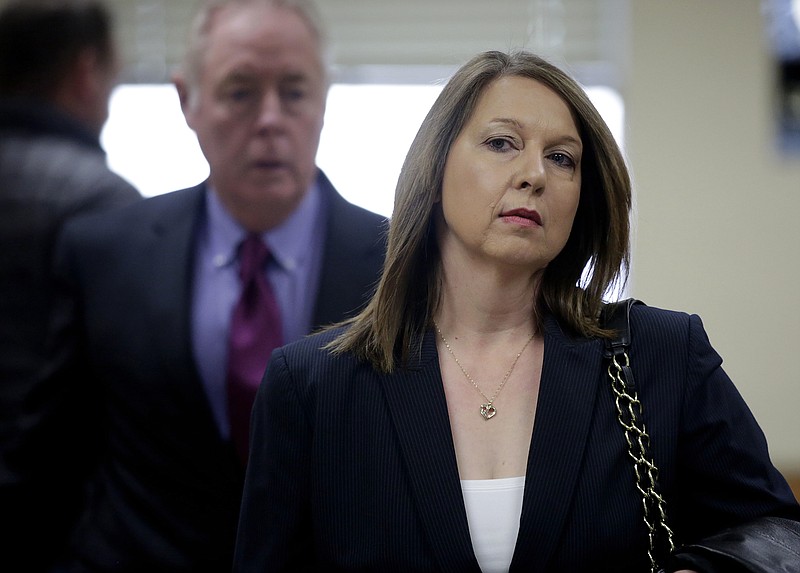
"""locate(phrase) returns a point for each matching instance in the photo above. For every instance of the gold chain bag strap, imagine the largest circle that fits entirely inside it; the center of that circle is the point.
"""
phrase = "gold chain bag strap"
(616, 316)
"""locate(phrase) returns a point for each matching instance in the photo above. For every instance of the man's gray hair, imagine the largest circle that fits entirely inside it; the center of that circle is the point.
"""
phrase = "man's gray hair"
(203, 21)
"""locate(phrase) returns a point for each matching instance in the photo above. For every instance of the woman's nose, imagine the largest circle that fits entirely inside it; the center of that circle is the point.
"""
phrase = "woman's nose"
(532, 175)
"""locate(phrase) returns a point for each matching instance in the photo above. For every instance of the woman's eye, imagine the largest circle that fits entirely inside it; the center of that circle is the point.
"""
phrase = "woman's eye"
(562, 159)
(498, 144)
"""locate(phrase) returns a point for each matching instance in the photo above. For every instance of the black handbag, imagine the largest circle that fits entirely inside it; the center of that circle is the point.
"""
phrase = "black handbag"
(765, 545)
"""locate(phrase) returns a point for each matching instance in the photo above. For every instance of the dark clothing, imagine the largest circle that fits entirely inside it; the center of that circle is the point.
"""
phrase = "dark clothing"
(167, 490)
(51, 169)
(352, 470)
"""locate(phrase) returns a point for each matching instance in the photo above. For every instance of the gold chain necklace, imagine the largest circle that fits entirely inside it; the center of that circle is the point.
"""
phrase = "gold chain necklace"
(488, 409)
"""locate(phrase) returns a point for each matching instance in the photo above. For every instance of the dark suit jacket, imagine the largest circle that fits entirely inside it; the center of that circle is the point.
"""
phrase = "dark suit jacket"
(166, 491)
(351, 470)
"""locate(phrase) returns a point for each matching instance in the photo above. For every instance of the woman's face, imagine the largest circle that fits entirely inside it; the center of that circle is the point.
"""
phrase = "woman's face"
(512, 179)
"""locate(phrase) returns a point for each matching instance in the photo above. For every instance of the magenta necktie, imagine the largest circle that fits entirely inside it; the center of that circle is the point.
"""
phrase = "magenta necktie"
(255, 331)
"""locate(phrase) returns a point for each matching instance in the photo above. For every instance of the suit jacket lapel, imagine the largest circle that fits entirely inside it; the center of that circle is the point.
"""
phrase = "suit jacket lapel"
(417, 404)
(172, 253)
(567, 398)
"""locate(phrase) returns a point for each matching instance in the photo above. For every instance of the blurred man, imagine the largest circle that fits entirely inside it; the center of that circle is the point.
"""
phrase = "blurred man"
(174, 305)
(57, 67)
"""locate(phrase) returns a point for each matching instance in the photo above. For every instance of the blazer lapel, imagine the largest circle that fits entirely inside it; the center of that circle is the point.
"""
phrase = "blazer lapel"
(172, 256)
(567, 398)
(419, 411)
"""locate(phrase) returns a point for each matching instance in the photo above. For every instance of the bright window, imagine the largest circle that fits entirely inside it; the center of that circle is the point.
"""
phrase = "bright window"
(368, 129)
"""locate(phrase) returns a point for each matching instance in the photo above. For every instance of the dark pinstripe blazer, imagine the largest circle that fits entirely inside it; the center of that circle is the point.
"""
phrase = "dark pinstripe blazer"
(355, 471)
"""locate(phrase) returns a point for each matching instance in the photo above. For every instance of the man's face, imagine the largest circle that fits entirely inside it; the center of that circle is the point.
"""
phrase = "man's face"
(257, 108)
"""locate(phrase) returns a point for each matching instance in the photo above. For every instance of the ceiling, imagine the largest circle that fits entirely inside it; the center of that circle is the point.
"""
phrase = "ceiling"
(408, 40)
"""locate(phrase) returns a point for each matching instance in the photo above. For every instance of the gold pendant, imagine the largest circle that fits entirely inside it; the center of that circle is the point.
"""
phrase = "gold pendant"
(488, 411)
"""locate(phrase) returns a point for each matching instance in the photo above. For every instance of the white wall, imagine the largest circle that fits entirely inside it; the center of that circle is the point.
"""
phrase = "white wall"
(718, 205)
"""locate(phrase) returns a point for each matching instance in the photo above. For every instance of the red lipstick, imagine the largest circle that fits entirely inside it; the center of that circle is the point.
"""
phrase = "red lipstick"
(523, 216)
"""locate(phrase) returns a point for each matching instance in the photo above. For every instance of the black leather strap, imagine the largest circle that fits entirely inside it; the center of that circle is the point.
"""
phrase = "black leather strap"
(616, 316)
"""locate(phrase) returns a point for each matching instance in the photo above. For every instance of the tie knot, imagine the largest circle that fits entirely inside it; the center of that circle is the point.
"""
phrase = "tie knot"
(253, 255)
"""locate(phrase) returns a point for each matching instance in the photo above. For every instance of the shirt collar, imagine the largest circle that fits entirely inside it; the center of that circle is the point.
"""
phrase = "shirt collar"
(287, 242)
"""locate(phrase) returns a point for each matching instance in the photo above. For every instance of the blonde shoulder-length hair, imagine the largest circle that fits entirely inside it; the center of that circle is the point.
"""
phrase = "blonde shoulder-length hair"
(393, 324)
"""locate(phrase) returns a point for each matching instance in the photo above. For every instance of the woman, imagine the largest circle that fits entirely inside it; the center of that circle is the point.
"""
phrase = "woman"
(463, 421)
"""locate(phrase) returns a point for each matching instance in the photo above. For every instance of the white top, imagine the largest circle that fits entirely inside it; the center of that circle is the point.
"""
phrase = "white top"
(494, 507)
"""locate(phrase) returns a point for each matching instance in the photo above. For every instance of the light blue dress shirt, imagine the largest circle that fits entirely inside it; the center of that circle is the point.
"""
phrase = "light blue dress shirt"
(293, 272)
